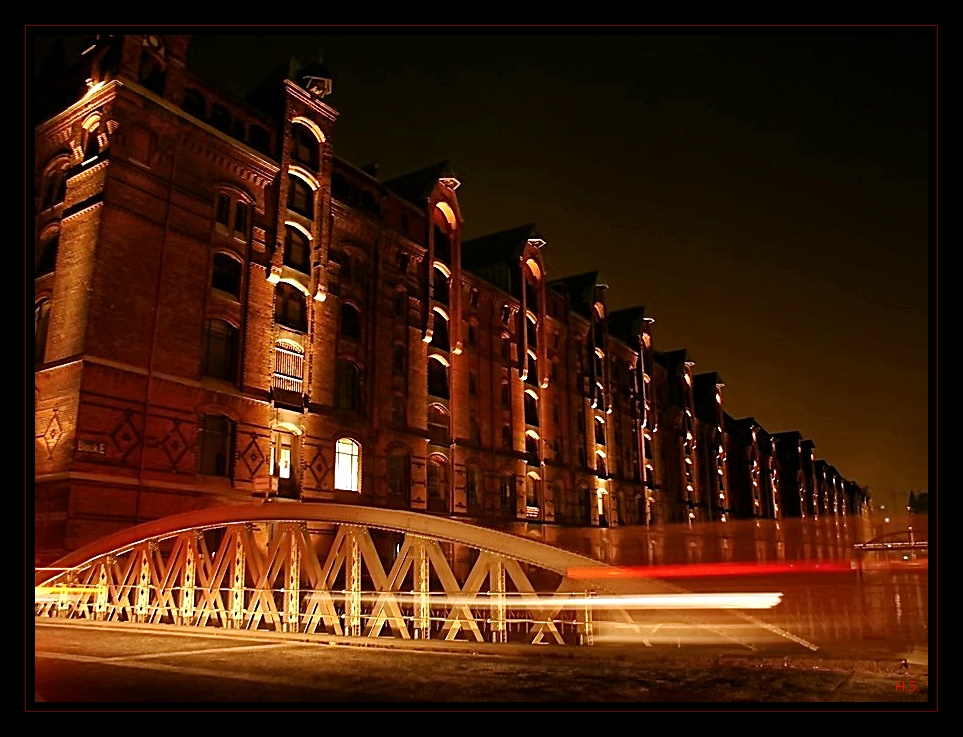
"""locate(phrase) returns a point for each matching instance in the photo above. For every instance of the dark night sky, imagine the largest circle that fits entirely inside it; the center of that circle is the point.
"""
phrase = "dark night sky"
(763, 192)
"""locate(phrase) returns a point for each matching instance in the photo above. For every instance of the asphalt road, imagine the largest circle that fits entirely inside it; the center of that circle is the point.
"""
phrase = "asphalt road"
(80, 666)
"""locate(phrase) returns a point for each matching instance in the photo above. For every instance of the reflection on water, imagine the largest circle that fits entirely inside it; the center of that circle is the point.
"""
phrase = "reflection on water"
(878, 599)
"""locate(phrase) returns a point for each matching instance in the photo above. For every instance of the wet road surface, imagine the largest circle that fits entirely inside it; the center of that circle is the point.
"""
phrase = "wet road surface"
(82, 665)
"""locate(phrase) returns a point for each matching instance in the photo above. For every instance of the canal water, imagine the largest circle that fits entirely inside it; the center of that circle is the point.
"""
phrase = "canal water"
(833, 593)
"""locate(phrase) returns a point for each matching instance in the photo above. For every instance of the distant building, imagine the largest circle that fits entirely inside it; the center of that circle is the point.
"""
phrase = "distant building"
(226, 311)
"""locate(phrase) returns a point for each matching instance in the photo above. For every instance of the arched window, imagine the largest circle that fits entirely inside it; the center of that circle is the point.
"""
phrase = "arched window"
(442, 243)
(152, 64)
(220, 350)
(300, 197)
(533, 490)
(347, 386)
(531, 449)
(438, 425)
(47, 261)
(506, 490)
(399, 472)
(439, 336)
(440, 286)
(599, 430)
(226, 274)
(600, 464)
(90, 139)
(350, 321)
(41, 320)
(531, 409)
(437, 378)
(55, 184)
(305, 146)
(297, 249)
(289, 307)
(232, 216)
(437, 479)
(347, 465)
(215, 445)
(472, 485)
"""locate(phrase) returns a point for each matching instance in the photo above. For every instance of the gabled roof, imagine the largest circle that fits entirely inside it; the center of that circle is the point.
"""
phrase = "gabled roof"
(496, 248)
(418, 186)
(580, 290)
(627, 324)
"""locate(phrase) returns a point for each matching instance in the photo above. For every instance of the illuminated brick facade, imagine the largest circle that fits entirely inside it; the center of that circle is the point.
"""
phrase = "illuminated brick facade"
(226, 311)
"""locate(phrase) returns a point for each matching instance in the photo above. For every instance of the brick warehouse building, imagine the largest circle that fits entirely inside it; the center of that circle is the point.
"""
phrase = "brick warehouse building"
(224, 310)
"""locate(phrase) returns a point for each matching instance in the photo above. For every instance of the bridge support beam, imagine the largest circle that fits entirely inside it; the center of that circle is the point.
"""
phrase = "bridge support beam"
(422, 614)
(143, 585)
(236, 616)
(497, 613)
(352, 570)
(292, 583)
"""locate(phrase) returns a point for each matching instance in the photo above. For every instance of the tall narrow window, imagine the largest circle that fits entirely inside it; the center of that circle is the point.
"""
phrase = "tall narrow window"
(300, 197)
(220, 350)
(289, 307)
(55, 185)
(296, 250)
(437, 479)
(41, 319)
(91, 140)
(222, 210)
(437, 377)
(305, 147)
(215, 445)
(438, 425)
(439, 338)
(226, 274)
(506, 490)
(242, 216)
(347, 386)
(350, 321)
(47, 261)
(531, 409)
(399, 465)
(347, 465)
(472, 477)
(232, 216)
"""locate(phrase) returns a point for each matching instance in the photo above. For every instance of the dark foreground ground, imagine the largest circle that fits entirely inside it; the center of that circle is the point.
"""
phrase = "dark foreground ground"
(101, 666)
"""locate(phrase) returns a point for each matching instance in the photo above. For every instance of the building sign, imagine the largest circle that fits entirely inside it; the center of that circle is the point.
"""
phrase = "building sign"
(85, 446)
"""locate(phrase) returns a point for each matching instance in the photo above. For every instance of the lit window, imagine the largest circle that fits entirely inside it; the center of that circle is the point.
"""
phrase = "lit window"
(347, 465)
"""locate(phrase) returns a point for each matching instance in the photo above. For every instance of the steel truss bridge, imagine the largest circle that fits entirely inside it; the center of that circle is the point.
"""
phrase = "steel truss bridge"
(361, 572)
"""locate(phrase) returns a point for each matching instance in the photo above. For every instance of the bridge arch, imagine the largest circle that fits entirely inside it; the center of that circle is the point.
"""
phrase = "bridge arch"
(339, 570)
